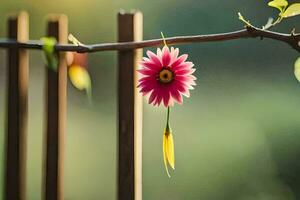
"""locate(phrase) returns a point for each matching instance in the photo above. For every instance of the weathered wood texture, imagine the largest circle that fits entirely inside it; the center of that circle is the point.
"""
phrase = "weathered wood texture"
(56, 86)
(17, 112)
(130, 110)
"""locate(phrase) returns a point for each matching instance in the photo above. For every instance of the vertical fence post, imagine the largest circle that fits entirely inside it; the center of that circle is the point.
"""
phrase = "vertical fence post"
(17, 83)
(130, 28)
(56, 86)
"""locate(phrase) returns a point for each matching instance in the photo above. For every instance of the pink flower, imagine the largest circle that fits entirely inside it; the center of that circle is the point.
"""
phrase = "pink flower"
(166, 76)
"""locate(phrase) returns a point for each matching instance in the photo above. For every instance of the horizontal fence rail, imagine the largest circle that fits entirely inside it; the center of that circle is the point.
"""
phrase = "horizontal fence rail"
(249, 32)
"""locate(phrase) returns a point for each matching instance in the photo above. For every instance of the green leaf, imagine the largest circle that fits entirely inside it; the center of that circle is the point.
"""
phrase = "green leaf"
(279, 4)
(49, 52)
(297, 69)
(292, 10)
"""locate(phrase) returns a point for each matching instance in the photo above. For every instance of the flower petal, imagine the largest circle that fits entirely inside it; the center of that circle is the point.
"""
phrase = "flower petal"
(176, 95)
(184, 65)
(179, 60)
(166, 98)
(150, 65)
(146, 89)
(185, 72)
(174, 54)
(146, 71)
(154, 58)
(152, 97)
(158, 100)
(165, 144)
(166, 57)
(159, 53)
(145, 78)
(181, 88)
(170, 151)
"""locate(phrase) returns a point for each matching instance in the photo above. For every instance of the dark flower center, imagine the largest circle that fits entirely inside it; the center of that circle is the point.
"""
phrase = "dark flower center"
(165, 75)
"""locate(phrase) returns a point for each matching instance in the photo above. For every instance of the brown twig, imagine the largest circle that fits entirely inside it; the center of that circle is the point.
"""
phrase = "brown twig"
(249, 32)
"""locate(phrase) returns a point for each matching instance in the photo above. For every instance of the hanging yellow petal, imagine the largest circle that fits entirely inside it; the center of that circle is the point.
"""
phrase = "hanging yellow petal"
(168, 151)
(80, 78)
(165, 154)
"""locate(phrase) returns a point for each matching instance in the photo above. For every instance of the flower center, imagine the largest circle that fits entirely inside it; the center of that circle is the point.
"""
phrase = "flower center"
(165, 76)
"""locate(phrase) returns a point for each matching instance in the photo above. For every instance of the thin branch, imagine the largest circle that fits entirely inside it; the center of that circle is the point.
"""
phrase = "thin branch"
(249, 32)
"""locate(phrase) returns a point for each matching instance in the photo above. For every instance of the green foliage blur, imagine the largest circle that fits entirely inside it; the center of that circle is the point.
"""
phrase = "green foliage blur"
(236, 138)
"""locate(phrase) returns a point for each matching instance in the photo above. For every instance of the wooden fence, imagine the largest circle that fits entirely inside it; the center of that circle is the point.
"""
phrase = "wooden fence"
(129, 111)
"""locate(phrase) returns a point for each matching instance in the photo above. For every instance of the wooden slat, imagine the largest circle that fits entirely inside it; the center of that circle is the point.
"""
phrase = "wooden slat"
(130, 110)
(17, 114)
(56, 82)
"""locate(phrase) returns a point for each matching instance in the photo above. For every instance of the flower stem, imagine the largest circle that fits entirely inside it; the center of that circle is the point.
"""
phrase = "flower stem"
(164, 40)
(168, 117)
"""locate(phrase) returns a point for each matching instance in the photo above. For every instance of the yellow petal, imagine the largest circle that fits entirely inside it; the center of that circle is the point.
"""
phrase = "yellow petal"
(297, 69)
(79, 77)
(292, 10)
(170, 151)
(165, 144)
(279, 4)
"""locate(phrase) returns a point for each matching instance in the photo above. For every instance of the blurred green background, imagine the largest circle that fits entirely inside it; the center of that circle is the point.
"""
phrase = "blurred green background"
(237, 137)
